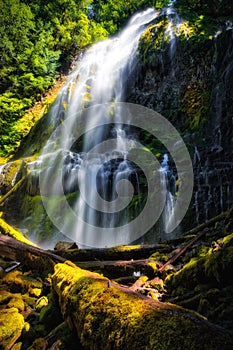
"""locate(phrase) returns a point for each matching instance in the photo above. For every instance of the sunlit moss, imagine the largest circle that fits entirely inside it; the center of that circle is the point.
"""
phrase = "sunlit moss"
(20, 282)
(12, 324)
(17, 302)
(8, 175)
(20, 128)
(12, 232)
(107, 317)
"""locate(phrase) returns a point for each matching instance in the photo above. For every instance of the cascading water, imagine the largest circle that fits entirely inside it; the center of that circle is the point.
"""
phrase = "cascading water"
(174, 23)
(171, 190)
(99, 78)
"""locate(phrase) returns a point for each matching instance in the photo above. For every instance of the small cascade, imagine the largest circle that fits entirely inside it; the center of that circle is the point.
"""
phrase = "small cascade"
(173, 28)
(171, 190)
(212, 191)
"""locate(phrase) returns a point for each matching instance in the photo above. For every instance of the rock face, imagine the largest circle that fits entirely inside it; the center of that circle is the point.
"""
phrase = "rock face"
(184, 71)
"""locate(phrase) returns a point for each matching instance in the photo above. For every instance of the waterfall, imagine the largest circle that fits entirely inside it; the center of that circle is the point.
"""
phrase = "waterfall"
(99, 78)
(174, 23)
(171, 189)
(87, 171)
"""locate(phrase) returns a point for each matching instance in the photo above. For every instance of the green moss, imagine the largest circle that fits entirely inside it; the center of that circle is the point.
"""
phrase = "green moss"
(8, 174)
(226, 241)
(195, 104)
(41, 302)
(19, 282)
(16, 302)
(157, 256)
(107, 317)
(4, 297)
(8, 230)
(205, 282)
(29, 300)
(12, 324)
(17, 346)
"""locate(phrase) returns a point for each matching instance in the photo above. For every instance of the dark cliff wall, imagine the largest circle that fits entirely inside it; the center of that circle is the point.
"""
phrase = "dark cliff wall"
(189, 80)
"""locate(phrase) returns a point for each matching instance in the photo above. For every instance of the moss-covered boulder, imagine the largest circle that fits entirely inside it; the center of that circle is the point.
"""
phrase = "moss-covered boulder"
(108, 316)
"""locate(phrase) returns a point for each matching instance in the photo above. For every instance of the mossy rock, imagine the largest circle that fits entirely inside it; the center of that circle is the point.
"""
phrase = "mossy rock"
(12, 324)
(16, 302)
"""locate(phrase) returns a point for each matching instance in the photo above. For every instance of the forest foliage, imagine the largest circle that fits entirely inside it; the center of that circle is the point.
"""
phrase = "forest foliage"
(39, 40)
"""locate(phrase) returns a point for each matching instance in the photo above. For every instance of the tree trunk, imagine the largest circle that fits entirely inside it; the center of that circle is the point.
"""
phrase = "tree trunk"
(32, 257)
(109, 316)
(135, 252)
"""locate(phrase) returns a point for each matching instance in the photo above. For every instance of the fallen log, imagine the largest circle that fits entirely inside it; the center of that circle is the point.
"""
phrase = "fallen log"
(93, 265)
(108, 316)
(31, 256)
(121, 268)
(123, 252)
(8, 230)
(37, 258)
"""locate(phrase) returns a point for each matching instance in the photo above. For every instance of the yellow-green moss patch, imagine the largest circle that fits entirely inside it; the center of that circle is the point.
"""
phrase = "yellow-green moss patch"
(8, 230)
(11, 326)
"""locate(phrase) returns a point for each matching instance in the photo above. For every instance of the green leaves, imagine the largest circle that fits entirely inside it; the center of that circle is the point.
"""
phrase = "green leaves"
(39, 39)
